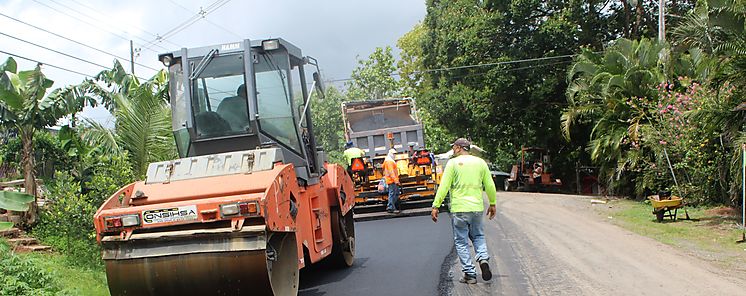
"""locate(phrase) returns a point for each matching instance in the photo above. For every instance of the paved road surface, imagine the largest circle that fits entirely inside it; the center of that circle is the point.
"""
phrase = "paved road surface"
(400, 256)
(542, 244)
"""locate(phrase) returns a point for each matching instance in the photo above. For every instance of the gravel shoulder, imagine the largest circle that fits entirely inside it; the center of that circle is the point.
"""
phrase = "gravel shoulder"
(550, 244)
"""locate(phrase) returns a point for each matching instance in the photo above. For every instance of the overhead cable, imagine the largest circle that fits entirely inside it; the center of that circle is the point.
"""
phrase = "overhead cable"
(207, 20)
(97, 26)
(76, 42)
(46, 64)
(201, 14)
(55, 51)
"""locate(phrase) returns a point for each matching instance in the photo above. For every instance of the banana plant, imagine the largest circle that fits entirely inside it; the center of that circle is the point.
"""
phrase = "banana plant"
(14, 201)
(25, 107)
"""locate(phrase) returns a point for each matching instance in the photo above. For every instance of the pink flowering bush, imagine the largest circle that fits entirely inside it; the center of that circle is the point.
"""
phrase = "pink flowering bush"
(665, 126)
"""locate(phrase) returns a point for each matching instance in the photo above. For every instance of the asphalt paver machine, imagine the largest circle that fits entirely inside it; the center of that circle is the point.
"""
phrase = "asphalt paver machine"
(251, 200)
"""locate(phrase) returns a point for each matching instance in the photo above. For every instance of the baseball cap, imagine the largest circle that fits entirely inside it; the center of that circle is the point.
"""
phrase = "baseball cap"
(464, 143)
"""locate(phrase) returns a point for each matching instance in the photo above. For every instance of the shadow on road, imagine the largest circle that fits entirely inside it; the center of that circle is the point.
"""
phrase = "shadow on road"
(320, 274)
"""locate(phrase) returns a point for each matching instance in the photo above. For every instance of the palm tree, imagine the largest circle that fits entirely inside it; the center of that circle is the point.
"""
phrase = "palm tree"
(600, 85)
(719, 28)
(25, 107)
(143, 119)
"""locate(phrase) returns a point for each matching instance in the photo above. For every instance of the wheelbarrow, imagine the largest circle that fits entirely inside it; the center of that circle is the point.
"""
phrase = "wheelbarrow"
(667, 206)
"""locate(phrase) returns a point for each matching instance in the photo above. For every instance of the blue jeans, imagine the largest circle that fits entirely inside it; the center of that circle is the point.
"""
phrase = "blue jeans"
(468, 226)
(393, 196)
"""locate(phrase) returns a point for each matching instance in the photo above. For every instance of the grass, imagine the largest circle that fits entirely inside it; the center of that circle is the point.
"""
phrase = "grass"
(74, 280)
(710, 234)
(71, 279)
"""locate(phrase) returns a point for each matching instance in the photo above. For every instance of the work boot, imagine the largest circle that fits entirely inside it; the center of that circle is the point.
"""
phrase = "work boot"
(468, 279)
(484, 265)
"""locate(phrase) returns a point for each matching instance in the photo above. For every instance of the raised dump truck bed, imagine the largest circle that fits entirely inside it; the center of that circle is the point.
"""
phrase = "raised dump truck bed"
(377, 126)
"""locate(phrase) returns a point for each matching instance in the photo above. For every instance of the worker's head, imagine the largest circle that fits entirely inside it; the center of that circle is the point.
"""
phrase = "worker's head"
(349, 144)
(461, 145)
(241, 91)
(391, 153)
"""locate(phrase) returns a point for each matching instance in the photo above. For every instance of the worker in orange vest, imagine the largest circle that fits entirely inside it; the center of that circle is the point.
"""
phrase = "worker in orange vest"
(391, 175)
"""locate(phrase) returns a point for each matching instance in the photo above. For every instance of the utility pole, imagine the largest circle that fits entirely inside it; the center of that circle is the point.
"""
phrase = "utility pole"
(132, 58)
(661, 21)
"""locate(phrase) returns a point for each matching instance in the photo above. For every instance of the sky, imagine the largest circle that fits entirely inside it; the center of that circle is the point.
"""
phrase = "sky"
(336, 32)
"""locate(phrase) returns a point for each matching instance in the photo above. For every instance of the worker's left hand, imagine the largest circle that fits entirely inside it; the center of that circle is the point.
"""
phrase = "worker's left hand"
(434, 215)
(491, 211)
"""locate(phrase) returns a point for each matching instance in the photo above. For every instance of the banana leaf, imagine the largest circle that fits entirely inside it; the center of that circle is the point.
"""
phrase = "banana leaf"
(15, 201)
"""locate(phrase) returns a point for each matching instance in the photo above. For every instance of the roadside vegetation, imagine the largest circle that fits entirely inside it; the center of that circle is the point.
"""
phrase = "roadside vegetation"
(709, 235)
(587, 79)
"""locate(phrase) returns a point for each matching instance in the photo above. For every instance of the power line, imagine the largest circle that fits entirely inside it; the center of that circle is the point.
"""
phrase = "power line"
(55, 51)
(97, 26)
(47, 64)
(181, 27)
(135, 26)
(496, 63)
(76, 42)
(207, 20)
(482, 65)
(61, 53)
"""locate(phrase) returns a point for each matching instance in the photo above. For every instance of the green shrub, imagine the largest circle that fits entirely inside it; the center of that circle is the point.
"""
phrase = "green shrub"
(20, 276)
(66, 222)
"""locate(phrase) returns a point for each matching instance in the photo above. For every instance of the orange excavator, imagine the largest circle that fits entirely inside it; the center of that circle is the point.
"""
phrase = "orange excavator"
(250, 202)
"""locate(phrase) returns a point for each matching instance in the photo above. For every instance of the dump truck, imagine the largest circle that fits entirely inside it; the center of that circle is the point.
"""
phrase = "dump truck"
(250, 201)
(375, 126)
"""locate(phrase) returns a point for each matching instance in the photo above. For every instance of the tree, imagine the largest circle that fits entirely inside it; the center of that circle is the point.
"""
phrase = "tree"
(143, 119)
(605, 91)
(326, 115)
(25, 107)
(372, 79)
(473, 86)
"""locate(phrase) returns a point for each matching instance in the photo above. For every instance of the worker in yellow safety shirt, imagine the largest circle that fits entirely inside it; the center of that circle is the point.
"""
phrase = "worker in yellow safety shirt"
(352, 152)
(391, 176)
(466, 176)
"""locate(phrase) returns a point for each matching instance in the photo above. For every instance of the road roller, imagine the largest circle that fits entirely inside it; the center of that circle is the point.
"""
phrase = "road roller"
(251, 199)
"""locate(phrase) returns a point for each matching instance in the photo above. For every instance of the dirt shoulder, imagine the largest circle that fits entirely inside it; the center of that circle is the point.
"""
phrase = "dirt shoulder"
(547, 244)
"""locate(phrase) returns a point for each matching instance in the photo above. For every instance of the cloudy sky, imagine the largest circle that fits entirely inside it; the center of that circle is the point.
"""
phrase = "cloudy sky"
(336, 32)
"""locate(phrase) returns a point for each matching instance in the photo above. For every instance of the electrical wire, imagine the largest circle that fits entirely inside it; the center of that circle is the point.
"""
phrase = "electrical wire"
(46, 64)
(207, 20)
(97, 26)
(134, 26)
(181, 27)
(478, 65)
(55, 51)
(76, 42)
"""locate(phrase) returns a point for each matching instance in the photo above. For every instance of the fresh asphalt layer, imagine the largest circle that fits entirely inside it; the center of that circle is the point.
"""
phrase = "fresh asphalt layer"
(399, 256)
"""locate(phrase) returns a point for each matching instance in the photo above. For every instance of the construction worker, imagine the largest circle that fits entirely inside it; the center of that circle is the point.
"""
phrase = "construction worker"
(391, 175)
(466, 176)
(352, 152)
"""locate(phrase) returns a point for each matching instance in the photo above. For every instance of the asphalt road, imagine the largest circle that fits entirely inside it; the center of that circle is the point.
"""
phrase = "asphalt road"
(541, 244)
(399, 256)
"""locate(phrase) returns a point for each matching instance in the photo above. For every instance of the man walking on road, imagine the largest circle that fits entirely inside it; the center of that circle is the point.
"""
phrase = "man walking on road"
(466, 176)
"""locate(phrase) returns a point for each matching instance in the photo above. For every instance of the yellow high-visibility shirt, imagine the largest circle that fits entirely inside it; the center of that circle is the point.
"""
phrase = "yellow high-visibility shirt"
(351, 153)
(466, 176)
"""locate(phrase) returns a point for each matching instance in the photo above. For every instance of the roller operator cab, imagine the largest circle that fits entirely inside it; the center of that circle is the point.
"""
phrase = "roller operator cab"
(250, 201)
(243, 95)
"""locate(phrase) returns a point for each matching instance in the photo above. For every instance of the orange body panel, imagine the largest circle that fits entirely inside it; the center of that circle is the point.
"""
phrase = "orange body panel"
(276, 191)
